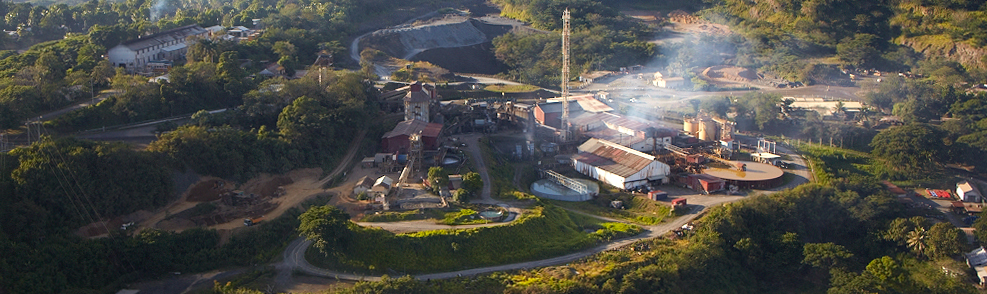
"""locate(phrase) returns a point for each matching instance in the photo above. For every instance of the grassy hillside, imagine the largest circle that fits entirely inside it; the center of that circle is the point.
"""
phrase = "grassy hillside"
(542, 231)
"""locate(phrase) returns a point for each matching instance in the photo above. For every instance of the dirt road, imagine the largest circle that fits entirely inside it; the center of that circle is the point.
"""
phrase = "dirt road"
(347, 159)
(295, 254)
(473, 146)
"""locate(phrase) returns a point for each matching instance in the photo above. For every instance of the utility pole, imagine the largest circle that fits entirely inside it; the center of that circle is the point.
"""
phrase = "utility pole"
(565, 75)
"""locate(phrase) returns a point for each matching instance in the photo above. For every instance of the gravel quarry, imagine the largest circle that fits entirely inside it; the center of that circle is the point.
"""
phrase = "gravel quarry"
(453, 41)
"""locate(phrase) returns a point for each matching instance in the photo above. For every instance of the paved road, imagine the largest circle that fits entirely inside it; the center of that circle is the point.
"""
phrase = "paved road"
(296, 250)
(294, 255)
(797, 166)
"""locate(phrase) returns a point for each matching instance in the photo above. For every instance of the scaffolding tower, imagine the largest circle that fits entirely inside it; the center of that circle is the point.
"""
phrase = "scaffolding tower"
(565, 76)
(415, 154)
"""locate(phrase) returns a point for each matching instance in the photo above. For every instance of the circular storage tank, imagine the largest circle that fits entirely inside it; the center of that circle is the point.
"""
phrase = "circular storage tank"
(709, 130)
(690, 127)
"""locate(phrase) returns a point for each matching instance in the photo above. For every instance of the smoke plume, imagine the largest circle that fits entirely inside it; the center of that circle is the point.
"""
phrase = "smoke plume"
(157, 9)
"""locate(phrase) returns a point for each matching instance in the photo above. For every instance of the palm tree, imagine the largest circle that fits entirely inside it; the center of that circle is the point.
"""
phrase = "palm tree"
(839, 109)
(916, 241)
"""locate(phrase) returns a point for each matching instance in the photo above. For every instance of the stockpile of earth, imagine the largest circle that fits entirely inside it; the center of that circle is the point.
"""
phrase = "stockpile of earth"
(477, 59)
(459, 44)
(404, 42)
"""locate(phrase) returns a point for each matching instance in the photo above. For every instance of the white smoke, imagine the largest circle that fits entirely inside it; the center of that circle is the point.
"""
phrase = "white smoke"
(157, 9)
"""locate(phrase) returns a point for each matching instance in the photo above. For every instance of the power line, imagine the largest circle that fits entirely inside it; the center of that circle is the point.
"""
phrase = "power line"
(88, 200)
(57, 171)
(82, 191)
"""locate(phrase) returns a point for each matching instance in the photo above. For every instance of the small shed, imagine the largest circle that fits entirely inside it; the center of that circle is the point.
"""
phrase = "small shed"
(705, 183)
(363, 184)
(455, 182)
(958, 207)
(368, 162)
(765, 157)
(679, 202)
(383, 185)
(968, 191)
(657, 195)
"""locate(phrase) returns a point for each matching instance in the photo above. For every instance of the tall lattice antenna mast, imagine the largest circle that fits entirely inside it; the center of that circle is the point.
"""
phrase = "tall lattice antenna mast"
(565, 75)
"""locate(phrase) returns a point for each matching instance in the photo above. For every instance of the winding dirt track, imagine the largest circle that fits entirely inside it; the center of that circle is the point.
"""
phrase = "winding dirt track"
(294, 255)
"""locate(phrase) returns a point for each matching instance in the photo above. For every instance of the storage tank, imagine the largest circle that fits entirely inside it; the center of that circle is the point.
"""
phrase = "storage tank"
(690, 127)
(709, 126)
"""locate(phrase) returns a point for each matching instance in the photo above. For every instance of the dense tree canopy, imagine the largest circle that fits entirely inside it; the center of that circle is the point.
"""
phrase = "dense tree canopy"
(914, 147)
(327, 226)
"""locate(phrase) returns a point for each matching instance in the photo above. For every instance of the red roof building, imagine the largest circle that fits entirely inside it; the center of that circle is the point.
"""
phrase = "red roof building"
(397, 140)
(706, 183)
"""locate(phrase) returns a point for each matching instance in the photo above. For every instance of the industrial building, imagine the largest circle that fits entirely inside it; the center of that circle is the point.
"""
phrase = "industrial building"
(419, 101)
(549, 113)
(623, 130)
(135, 55)
(828, 109)
(977, 260)
(398, 139)
(617, 165)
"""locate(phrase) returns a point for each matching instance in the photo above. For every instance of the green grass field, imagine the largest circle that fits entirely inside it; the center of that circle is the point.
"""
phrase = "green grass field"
(397, 216)
(543, 231)
(638, 210)
(511, 88)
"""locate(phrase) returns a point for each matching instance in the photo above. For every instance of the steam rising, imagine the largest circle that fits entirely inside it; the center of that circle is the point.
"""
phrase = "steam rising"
(157, 9)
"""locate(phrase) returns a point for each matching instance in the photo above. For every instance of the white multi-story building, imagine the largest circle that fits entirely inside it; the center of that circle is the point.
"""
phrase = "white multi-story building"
(134, 55)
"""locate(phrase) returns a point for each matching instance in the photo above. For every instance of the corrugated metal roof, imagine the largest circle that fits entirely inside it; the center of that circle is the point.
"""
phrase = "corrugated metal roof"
(627, 123)
(612, 157)
(615, 136)
(384, 181)
(417, 96)
(589, 118)
(556, 106)
(585, 102)
(409, 127)
(164, 37)
(365, 182)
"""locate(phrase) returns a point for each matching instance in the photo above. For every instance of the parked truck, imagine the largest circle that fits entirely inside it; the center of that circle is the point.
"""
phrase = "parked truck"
(252, 221)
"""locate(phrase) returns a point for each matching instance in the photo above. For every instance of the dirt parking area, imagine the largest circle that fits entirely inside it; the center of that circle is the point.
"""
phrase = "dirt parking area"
(266, 196)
